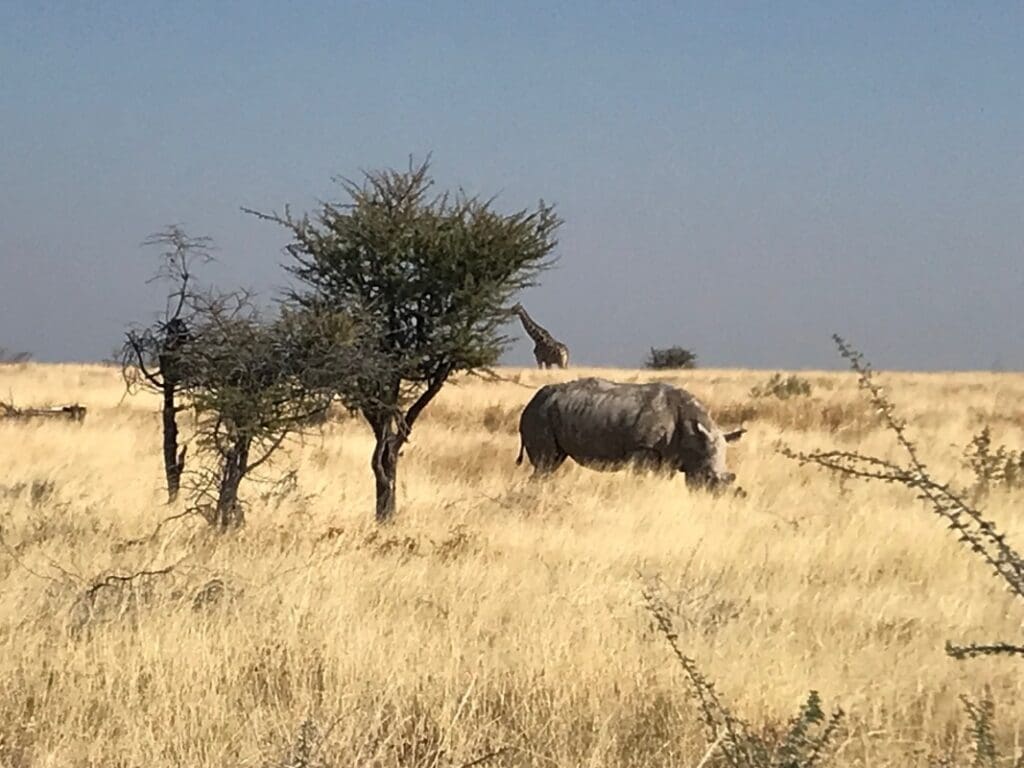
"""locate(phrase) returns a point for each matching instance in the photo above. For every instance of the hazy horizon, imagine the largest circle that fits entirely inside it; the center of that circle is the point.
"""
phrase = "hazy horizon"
(742, 181)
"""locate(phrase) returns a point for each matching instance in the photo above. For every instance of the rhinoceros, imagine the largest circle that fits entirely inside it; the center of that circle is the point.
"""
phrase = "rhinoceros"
(606, 425)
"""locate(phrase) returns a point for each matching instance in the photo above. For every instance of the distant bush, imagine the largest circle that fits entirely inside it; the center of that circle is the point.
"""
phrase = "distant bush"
(999, 467)
(783, 387)
(672, 357)
(9, 357)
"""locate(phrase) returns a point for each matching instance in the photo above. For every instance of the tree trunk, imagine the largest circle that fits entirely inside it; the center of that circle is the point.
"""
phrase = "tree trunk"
(385, 470)
(236, 463)
(174, 462)
(390, 441)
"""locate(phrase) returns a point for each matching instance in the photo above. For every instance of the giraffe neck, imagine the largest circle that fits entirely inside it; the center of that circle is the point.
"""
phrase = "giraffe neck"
(536, 332)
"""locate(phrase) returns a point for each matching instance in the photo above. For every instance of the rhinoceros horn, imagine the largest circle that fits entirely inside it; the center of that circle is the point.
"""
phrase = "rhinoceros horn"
(730, 437)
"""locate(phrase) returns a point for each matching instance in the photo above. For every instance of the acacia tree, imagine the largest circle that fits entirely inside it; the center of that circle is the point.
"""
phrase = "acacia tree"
(432, 272)
(155, 357)
(254, 383)
(670, 358)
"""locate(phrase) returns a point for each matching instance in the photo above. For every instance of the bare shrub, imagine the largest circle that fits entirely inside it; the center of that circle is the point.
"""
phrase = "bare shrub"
(112, 598)
(155, 358)
(802, 414)
(305, 751)
(401, 739)
(285, 490)
(385, 545)
(213, 593)
(37, 492)
(806, 741)
(251, 383)
(10, 357)
(998, 467)
(738, 413)
(848, 417)
(783, 387)
(71, 412)
(501, 420)
(457, 544)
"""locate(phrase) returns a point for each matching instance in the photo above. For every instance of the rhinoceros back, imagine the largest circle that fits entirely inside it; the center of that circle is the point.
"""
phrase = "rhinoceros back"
(602, 423)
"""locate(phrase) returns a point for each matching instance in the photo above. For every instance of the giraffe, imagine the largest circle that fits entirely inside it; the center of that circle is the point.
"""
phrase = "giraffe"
(547, 349)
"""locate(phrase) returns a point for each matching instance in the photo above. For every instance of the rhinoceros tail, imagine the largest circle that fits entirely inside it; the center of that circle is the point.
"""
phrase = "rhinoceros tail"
(522, 448)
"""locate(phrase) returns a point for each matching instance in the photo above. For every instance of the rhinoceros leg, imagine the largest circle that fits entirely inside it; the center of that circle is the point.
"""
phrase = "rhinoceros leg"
(545, 459)
(545, 454)
(645, 458)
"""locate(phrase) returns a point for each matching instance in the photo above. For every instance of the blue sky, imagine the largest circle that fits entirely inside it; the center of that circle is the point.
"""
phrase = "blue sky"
(740, 179)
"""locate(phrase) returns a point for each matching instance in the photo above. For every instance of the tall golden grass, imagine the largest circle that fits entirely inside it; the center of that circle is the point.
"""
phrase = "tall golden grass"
(495, 613)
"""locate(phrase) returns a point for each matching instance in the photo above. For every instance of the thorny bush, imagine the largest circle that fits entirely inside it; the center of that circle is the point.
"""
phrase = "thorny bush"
(973, 529)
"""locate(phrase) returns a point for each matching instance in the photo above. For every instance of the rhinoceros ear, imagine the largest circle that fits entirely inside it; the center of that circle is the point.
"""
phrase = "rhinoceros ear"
(736, 434)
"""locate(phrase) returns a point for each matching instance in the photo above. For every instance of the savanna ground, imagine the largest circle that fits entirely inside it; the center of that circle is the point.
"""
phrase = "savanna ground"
(495, 612)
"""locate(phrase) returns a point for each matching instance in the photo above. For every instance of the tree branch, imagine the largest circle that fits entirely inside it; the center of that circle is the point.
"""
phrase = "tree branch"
(435, 385)
(136, 347)
(268, 452)
(973, 650)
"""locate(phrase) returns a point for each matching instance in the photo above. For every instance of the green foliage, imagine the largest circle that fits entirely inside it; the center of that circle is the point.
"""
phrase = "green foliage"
(252, 383)
(982, 717)
(807, 735)
(434, 272)
(984, 748)
(243, 377)
(671, 358)
(992, 468)
(431, 274)
(783, 387)
(806, 741)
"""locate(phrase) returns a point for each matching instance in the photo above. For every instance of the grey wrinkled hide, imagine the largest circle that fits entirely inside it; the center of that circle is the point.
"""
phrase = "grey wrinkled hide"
(607, 426)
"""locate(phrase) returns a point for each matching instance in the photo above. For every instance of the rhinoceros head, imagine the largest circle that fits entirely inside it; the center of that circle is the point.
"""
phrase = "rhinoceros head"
(711, 471)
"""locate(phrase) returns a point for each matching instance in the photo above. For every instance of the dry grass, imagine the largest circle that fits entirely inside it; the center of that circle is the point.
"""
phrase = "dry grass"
(495, 612)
